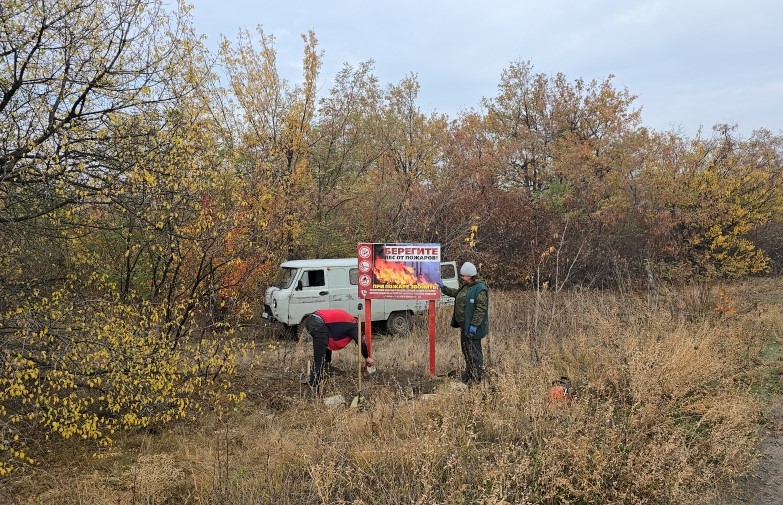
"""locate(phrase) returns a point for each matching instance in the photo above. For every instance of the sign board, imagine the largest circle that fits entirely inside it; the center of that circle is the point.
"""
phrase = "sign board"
(399, 271)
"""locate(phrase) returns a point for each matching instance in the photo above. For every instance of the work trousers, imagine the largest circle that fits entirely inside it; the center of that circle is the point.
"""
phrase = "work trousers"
(474, 359)
(322, 355)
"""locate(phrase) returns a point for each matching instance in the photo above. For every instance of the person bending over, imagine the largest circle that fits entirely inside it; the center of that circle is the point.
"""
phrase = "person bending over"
(331, 330)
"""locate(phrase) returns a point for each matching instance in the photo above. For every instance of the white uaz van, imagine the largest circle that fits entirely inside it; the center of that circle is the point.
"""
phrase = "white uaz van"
(308, 285)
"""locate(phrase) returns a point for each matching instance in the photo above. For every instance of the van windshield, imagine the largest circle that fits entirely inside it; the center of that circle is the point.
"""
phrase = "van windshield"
(286, 278)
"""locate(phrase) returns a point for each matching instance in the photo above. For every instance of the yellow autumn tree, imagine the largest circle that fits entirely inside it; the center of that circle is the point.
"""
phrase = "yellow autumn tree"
(409, 145)
(566, 153)
(345, 148)
(726, 187)
(141, 209)
(270, 122)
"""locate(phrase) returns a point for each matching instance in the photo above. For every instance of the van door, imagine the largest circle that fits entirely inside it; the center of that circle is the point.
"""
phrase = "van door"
(448, 276)
(310, 294)
(343, 289)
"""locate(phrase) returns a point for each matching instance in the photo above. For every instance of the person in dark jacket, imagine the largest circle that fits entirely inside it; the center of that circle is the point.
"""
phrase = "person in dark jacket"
(331, 329)
(471, 315)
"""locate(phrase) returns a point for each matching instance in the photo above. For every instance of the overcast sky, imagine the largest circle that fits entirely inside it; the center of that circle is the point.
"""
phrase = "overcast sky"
(691, 63)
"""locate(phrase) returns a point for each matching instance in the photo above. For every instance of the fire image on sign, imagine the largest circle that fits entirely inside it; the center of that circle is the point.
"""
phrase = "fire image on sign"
(399, 271)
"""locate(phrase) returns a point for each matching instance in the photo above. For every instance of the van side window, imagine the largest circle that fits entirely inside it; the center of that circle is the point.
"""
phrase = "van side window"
(448, 271)
(313, 278)
(353, 276)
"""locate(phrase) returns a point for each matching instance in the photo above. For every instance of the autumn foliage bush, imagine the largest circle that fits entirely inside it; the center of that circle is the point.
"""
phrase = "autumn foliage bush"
(87, 367)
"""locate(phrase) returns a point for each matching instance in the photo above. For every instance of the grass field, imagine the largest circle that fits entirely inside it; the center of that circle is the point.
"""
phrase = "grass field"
(671, 393)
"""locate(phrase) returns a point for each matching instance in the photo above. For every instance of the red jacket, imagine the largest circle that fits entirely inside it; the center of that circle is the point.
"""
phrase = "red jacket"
(342, 328)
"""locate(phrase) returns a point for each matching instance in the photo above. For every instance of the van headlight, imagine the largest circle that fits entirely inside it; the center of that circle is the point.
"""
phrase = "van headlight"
(274, 303)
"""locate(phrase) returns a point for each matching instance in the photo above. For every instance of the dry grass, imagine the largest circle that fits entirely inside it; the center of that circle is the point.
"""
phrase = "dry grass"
(670, 397)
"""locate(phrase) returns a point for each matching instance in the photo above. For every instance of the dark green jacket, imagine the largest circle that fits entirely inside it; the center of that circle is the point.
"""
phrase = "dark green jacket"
(471, 307)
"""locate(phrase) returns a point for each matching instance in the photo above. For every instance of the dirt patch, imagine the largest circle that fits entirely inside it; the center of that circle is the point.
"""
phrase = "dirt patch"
(765, 485)
(278, 388)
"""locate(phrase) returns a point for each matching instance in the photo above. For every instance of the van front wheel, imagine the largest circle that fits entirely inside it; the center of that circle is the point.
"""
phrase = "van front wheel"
(399, 322)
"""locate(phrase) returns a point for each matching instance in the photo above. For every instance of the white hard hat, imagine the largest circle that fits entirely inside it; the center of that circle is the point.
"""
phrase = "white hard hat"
(468, 268)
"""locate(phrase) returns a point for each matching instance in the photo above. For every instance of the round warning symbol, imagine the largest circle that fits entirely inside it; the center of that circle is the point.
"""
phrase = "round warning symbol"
(365, 251)
(365, 280)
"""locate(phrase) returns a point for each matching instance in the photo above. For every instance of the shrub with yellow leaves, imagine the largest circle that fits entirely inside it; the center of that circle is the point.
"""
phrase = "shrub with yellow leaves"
(88, 368)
